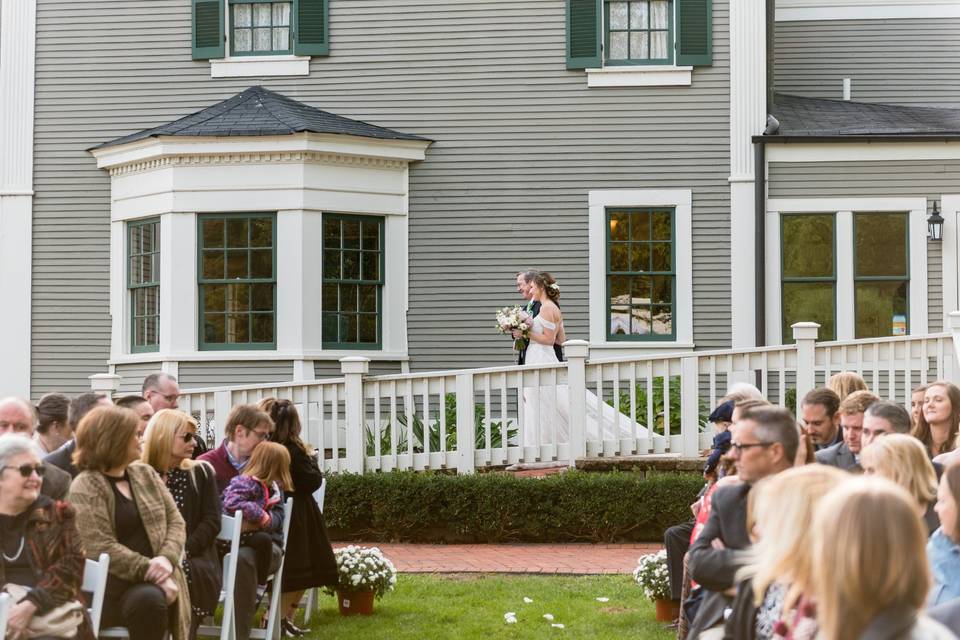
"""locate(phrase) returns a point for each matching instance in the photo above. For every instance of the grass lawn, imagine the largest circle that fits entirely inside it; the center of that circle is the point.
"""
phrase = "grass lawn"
(472, 606)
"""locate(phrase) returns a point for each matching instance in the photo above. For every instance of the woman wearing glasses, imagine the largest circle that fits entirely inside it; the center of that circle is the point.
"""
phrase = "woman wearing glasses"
(40, 547)
(125, 511)
(168, 446)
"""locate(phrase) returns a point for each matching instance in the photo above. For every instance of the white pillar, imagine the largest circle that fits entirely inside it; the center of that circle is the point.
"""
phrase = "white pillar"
(466, 427)
(17, 57)
(955, 331)
(748, 111)
(805, 335)
(178, 284)
(577, 352)
(354, 368)
(105, 383)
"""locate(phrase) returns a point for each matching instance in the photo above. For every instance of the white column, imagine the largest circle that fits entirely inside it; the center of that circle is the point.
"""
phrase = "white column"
(17, 59)
(805, 335)
(178, 284)
(845, 311)
(747, 118)
(291, 279)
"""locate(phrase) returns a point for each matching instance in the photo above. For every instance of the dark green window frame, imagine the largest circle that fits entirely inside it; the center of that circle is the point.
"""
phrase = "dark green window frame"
(787, 338)
(334, 286)
(232, 4)
(671, 273)
(139, 286)
(204, 282)
(857, 278)
(637, 29)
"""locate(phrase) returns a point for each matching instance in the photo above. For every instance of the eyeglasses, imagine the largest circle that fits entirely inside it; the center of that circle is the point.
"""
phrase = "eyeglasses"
(261, 435)
(740, 447)
(26, 470)
(186, 437)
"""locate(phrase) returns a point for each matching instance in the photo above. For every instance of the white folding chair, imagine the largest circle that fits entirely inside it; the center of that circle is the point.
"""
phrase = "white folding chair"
(314, 594)
(5, 602)
(272, 632)
(230, 529)
(95, 573)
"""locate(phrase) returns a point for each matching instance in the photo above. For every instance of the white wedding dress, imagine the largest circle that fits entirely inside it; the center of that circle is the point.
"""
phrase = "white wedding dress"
(546, 410)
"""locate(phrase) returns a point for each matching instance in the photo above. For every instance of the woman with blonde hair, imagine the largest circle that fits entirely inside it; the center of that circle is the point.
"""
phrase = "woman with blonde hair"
(845, 383)
(902, 459)
(868, 542)
(779, 570)
(938, 422)
(168, 446)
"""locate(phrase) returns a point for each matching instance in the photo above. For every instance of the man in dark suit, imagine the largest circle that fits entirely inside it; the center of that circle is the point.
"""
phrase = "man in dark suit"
(845, 455)
(80, 406)
(765, 441)
(19, 416)
(524, 280)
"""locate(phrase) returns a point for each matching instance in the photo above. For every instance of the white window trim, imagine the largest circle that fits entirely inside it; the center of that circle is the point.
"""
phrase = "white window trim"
(255, 66)
(950, 210)
(844, 208)
(682, 201)
(796, 10)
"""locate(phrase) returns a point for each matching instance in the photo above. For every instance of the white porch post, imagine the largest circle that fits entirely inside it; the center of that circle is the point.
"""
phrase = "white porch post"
(748, 108)
(955, 330)
(805, 335)
(690, 405)
(105, 383)
(465, 424)
(577, 352)
(18, 30)
(354, 368)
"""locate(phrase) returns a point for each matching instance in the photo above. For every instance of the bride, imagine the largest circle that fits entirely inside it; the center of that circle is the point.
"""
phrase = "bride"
(546, 410)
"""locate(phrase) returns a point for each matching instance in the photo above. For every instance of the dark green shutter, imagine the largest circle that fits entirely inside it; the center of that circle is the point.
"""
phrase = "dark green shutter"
(310, 27)
(694, 32)
(208, 30)
(584, 39)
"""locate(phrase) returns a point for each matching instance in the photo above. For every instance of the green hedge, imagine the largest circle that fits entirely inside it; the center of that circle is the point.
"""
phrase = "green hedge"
(498, 507)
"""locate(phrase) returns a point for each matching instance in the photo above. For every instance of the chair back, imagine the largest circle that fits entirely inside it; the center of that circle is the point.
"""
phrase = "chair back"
(95, 573)
(6, 600)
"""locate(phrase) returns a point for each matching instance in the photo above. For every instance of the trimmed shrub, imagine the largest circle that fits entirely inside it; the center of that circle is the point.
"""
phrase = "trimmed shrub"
(498, 507)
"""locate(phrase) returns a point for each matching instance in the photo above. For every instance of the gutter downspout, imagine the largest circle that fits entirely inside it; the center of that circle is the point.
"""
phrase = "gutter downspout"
(760, 233)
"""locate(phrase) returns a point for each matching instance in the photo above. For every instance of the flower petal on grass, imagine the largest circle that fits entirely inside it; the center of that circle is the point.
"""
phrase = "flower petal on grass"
(548, 616)
(527, 600)
(510, 614)
(510, 621)
(557, 625)
(602, 599)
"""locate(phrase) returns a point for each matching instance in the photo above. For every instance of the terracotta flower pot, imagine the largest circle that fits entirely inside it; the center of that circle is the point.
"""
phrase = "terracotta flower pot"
(355, 603)
(667, 610)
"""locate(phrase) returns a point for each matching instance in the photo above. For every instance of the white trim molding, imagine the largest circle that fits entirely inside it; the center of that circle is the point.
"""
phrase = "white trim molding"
(844, 208)
(950, 210)
(861, 151)
(682, 201)
(640, 76)
(18, 30)
(260, 66)
(797, 10)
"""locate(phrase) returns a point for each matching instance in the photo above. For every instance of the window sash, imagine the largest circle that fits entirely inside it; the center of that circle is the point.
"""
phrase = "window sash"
(150, 339)
(636, 273)
(326, 280)
(649, 31)
(205, 283)
(892, 278)
(260, 52)
(787, 337)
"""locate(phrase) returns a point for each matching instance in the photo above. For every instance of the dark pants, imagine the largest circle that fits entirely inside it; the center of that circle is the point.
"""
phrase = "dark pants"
(676, 539)
(142, 609)
(245, 589)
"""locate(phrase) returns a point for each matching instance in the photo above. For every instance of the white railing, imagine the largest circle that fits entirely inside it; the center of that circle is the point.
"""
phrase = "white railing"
(474, 418)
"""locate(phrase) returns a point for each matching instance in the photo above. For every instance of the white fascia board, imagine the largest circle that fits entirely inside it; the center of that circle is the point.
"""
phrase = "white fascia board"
(835, 204)
(257, 356)
(950, 207)
(260, 66)
(168, 146)
(861, 151)
(814, 10)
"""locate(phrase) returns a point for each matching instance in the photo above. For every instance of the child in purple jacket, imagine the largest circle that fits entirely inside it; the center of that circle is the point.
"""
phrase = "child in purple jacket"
(258, 494)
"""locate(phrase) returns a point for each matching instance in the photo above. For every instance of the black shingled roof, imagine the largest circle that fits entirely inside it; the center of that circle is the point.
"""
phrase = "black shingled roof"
(260, 112)
(818, 118)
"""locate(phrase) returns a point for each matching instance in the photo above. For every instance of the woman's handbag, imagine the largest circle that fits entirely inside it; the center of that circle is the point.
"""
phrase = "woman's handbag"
(59, 622)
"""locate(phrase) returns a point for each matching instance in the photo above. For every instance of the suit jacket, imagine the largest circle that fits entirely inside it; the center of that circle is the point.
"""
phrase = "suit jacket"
(839, 455)
(534, 307)
(713, 568)
(56, 483)
(62, 458)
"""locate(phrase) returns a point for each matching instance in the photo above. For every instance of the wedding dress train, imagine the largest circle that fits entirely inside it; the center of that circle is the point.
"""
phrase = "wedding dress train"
(547, 409)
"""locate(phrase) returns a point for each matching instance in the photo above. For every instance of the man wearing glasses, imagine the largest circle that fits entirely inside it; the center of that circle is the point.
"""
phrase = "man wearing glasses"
(764, 443)
(162, 391)
(19, 416)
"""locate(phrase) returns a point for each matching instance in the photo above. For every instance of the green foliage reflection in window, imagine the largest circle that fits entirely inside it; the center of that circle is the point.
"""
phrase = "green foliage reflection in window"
(352, 289)
(881, 274)
(143, 282)
(809, 285)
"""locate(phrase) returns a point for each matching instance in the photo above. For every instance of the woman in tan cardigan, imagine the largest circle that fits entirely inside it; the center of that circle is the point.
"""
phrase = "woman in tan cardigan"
(124, 510)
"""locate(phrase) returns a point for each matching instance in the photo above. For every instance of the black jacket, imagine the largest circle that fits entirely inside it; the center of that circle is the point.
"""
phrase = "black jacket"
(201, 513)
(308, 543)
(63, 458)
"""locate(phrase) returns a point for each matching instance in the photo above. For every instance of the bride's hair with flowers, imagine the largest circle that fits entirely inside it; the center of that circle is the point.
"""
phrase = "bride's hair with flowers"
(549, 284)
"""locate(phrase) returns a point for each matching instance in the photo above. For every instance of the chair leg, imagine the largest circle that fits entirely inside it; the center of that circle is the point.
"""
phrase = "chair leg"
(311, 605)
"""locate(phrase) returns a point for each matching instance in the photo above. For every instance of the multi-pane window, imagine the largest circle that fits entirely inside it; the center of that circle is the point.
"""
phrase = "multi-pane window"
(352, 281)
(260, 28)
(143, 282)
(641, 279)
(809, 282)
(237, 281)
(639, 32)
(881, 274)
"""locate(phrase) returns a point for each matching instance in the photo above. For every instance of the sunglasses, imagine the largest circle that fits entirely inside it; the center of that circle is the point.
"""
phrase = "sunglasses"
(26, 470)
(186, 437)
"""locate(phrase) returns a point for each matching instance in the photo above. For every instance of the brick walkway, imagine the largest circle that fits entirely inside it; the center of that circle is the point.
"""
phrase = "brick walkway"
(514, 558)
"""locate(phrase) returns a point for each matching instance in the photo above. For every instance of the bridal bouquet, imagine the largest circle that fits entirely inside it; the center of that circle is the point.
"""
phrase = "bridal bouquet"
(510, 318)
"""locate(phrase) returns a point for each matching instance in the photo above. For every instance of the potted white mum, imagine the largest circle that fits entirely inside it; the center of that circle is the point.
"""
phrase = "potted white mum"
(364, 574)
(653, 577)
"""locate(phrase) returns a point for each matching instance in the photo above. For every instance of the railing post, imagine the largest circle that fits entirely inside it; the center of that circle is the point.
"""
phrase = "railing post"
(577, 352)
(690, 405)
(805, 335)
(955, 330)
(105, 383)
(353, 369)
(465, 425)
(221, 409)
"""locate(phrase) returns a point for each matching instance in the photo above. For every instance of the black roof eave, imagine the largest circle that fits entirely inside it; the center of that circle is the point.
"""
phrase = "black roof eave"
(785, 139)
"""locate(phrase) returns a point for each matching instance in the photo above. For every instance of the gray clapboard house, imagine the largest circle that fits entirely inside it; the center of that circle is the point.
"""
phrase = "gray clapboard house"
(245, 192)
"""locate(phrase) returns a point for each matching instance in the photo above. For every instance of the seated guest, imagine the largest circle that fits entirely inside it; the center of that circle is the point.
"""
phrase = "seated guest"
(939, 420)
(777, 576)
(845, 383)
(140, 406)
(53, 427)
(80, 406)
(42, 557)
(902, 459)
(722, 418)
(124, 510)
(764, 444)
(943, 549)
(168, 447)
(883, 418)
(916, 404)
(845, 454)
(245, 429)
(872, 576)
(18, 416)
(820, 417)
(162, 391)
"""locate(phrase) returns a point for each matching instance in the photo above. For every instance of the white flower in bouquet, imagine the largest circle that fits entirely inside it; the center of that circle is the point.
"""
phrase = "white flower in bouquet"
(511, 319)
